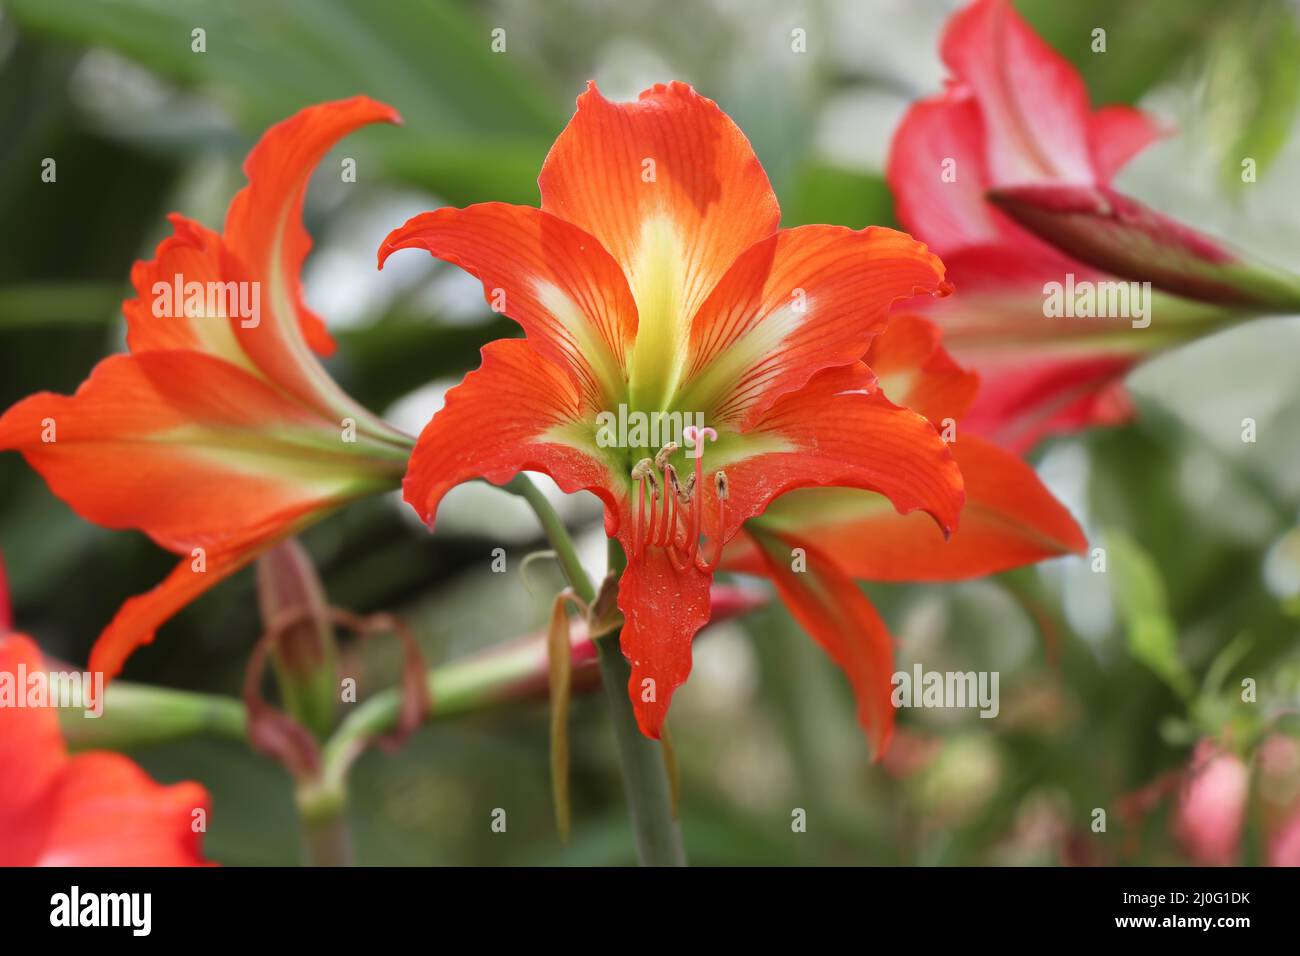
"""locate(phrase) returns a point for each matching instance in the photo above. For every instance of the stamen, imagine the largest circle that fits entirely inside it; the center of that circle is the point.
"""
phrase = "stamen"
(687, 489)
(657, 522)
(672, 492)
(656, 512)
(720, 487)
(641, 473)
(684, 507)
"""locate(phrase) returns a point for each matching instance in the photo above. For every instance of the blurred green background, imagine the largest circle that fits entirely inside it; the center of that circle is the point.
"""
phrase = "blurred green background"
(1102, 690)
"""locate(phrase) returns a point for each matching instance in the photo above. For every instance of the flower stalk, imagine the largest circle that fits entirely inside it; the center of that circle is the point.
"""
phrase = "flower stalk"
(322, 821)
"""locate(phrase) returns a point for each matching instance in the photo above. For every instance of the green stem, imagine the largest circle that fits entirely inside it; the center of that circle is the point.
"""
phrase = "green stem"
(557, 534)
(645, 778)
(136, 715)
(323, 823)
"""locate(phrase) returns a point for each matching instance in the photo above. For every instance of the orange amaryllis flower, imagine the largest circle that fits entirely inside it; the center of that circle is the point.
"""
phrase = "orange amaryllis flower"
(220, 433)
(814, 542)
(95, 809)
(1006, 175)
(655, 291)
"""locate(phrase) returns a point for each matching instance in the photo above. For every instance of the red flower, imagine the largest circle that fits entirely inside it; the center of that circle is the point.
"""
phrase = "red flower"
(95, 809)
(220, 433)
(1009, 520)
(654, 278)
(1016, 114)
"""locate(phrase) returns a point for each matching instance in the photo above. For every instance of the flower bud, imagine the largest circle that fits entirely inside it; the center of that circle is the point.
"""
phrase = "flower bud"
(292, 601)
(1118, 234)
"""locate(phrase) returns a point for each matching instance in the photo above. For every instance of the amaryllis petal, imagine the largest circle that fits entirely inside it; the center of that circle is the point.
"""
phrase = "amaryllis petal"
(838, 616)
(264, 223)
(1010, 519)
(518, 412)
(32, 757)
(1116, 134)
(263, 248)
(937, 173)
(1027, 398)
(1033, 103)
(914, 370)
(840, 430)
(549, 276)
(159, 318)
(94, 809)
(663, 606)
(671, 188)
(185, 447)
(793, 304)
(107, 812)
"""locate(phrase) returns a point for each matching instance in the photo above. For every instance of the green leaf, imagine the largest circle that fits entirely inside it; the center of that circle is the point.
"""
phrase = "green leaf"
(1139, 594)
(1145, 42)
(431, 59)
(1252, 89)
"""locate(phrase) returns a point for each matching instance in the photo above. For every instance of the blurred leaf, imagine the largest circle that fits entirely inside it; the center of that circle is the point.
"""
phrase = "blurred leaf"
(841, 197)
(1140, 596)
(1253, 88)
(1145, 42)
(59, 303)
(391, 358)
(431, 59)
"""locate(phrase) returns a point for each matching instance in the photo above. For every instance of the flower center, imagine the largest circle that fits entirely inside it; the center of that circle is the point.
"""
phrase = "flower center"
(668, 512)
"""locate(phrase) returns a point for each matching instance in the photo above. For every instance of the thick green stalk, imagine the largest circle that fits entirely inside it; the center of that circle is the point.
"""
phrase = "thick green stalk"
(323, 824)
(645, 778)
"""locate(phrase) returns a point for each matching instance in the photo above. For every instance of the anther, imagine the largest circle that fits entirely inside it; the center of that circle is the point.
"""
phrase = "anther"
(686, 490)
(671, 480)
(672, 494)
(665, 453)
(720, 486)
(642, 522)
